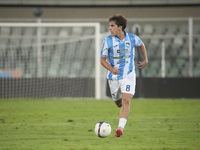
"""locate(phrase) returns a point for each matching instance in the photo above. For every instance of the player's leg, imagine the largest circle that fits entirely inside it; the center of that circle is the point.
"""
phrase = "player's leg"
(128, 90)
(126, 101)
(118, 102)
(115, 92)
(124, 113)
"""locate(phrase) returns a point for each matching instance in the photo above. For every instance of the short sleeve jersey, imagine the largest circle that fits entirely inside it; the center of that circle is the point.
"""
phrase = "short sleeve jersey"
(120, 54)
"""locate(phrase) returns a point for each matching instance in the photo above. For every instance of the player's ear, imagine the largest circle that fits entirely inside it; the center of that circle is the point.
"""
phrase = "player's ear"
(120, 28)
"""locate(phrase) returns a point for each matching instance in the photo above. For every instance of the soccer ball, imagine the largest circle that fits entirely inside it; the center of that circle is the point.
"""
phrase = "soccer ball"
(102, 129)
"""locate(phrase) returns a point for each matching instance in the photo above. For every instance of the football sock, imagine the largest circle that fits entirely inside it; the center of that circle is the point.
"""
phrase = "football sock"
(122, 123)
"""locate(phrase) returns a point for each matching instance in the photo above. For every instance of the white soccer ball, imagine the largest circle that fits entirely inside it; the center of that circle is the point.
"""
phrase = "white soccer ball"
(102, 129)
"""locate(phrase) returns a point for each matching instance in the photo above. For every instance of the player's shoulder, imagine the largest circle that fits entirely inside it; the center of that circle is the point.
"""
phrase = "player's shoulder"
(134, 36)
(131, 35)
(108, 37)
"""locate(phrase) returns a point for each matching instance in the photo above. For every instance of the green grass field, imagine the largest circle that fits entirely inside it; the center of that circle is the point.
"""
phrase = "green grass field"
(60, 124)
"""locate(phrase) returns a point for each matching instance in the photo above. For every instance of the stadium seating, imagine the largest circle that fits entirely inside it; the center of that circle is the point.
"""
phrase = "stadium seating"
(18, 49)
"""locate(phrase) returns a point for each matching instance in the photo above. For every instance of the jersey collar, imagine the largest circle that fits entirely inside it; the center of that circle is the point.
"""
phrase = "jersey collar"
(126, 37)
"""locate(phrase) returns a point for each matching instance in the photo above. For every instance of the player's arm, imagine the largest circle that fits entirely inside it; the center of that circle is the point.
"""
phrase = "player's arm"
(106, 65)
(144, 54)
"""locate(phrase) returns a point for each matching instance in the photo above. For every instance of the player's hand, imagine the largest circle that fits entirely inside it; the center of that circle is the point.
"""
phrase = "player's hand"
(115, 71)
(142, 64)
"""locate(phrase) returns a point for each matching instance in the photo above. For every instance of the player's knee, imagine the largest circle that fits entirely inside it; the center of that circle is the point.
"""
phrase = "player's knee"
(126, 101)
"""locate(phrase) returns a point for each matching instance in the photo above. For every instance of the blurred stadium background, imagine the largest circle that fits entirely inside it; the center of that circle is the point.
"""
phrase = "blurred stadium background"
(41, 61)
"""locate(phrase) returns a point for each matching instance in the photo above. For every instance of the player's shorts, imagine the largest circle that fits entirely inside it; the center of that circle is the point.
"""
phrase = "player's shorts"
(126, 85)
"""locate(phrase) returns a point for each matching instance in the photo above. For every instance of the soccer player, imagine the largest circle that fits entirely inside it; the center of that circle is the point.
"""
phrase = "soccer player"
(117, 56)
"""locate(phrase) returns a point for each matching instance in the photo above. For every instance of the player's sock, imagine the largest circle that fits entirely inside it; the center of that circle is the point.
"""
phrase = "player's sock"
(122, 123)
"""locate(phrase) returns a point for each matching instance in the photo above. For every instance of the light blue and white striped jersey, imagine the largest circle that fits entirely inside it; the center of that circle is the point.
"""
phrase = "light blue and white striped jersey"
(120, 54)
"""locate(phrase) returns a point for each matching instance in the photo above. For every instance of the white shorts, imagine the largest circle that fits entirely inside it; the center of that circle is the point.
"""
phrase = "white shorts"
(126, 85)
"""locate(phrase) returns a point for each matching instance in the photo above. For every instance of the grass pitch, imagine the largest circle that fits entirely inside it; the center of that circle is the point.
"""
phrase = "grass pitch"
(58, 124)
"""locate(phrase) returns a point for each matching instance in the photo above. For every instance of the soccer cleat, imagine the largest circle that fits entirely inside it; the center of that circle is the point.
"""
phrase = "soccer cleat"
(119, 132)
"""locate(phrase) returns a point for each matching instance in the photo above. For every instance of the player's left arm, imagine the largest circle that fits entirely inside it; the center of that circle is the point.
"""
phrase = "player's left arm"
(145, 57)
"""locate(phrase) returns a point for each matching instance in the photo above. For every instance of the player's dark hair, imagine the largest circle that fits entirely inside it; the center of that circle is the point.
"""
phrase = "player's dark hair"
(120, 20)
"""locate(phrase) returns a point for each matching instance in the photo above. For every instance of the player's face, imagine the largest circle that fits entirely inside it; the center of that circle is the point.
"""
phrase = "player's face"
(114, 29)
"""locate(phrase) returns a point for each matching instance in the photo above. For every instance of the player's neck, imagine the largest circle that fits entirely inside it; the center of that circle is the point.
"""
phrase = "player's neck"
(121, 35)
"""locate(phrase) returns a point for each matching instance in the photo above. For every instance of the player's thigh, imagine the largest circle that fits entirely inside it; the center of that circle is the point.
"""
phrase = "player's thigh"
(115, 89)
